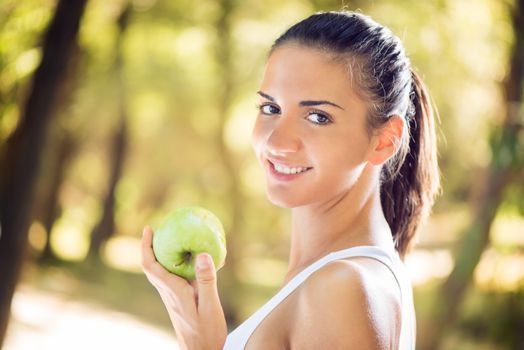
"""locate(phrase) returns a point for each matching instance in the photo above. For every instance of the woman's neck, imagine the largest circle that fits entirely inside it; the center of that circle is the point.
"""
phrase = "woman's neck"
(353, 218)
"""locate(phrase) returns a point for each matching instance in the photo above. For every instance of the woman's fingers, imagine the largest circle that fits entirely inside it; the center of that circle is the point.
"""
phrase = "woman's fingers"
(209, 307)
(156, 273)
(206, 277)
(148, 257)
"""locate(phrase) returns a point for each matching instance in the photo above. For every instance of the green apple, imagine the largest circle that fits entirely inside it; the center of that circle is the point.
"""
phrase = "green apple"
(185, 233)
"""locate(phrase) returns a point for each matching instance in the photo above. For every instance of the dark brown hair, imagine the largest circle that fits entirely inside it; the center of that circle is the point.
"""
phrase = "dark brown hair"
(385, 79)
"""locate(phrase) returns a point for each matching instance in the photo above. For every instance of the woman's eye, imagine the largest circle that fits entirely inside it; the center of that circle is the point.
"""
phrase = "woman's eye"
(318, 118)
(269, 109)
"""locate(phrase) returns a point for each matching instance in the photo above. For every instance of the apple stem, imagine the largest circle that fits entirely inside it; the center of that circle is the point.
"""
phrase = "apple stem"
(188, 256)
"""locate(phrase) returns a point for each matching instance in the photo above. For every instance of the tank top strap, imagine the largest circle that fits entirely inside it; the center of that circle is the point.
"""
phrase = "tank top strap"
(384, 256)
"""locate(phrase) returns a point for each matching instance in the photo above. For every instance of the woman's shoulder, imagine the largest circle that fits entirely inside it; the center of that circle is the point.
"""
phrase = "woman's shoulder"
(358, 274)
(355, 301)
(352, 281)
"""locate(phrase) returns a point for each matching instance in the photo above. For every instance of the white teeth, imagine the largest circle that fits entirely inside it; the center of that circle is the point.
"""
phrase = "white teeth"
(285, 170)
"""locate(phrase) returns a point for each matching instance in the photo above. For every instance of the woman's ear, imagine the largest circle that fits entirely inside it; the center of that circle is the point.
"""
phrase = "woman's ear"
(386, 140)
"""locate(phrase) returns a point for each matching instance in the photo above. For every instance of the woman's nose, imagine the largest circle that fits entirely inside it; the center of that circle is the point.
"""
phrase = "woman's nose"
(284, 138)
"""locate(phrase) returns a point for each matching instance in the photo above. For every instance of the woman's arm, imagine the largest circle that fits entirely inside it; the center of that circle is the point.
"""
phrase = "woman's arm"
(194, 308)
(343, 307)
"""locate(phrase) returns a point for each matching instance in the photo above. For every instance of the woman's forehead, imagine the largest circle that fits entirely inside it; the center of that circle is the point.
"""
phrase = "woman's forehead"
(294, 70)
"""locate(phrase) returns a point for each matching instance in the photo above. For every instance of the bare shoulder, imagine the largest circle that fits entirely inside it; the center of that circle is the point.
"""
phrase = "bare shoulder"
(351, 303)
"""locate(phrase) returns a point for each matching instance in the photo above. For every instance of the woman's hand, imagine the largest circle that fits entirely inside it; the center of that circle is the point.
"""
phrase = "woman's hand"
(194, 308)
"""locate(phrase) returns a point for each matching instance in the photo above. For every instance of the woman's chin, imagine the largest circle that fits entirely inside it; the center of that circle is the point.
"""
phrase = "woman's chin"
(287, 202)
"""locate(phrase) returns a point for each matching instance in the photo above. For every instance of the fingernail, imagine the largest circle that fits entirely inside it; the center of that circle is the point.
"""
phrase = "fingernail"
(203, 261)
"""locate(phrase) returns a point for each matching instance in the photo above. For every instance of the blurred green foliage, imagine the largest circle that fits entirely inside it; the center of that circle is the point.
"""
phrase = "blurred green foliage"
(495, 316)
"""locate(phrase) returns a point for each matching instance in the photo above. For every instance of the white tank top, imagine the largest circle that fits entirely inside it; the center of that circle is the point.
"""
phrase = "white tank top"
(238, 338)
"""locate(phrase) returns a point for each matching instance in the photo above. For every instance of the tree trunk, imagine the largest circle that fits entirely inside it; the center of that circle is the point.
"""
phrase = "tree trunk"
(500, 173)
(60, 150)
(106, 226)
(21, 160)
(52, 209)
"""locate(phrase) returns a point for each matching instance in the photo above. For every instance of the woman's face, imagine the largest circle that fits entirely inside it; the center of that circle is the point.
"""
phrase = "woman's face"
(310, 134)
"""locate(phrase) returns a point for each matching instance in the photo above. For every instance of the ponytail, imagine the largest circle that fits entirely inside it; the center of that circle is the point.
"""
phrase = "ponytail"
(408, 197)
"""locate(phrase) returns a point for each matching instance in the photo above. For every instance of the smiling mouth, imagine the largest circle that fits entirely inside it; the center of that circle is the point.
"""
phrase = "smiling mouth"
(282, 169)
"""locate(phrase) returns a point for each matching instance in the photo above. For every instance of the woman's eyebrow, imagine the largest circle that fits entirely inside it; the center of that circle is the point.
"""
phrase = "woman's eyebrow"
(317, 103)
(303, 103)
(266, 96)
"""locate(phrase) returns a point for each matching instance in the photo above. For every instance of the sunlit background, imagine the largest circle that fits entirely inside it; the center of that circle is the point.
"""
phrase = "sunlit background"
(177, 83)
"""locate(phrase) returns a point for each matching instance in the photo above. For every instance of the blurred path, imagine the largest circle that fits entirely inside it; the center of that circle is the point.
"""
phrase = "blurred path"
(48, 321)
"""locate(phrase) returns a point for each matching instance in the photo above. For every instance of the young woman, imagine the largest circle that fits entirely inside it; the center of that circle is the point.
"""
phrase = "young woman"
(345, 135)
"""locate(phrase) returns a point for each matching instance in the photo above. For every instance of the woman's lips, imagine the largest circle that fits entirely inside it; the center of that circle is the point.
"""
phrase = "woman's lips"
(286, 173)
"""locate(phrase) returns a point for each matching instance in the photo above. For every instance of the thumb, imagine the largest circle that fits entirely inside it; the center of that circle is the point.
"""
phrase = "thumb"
(206, 276)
